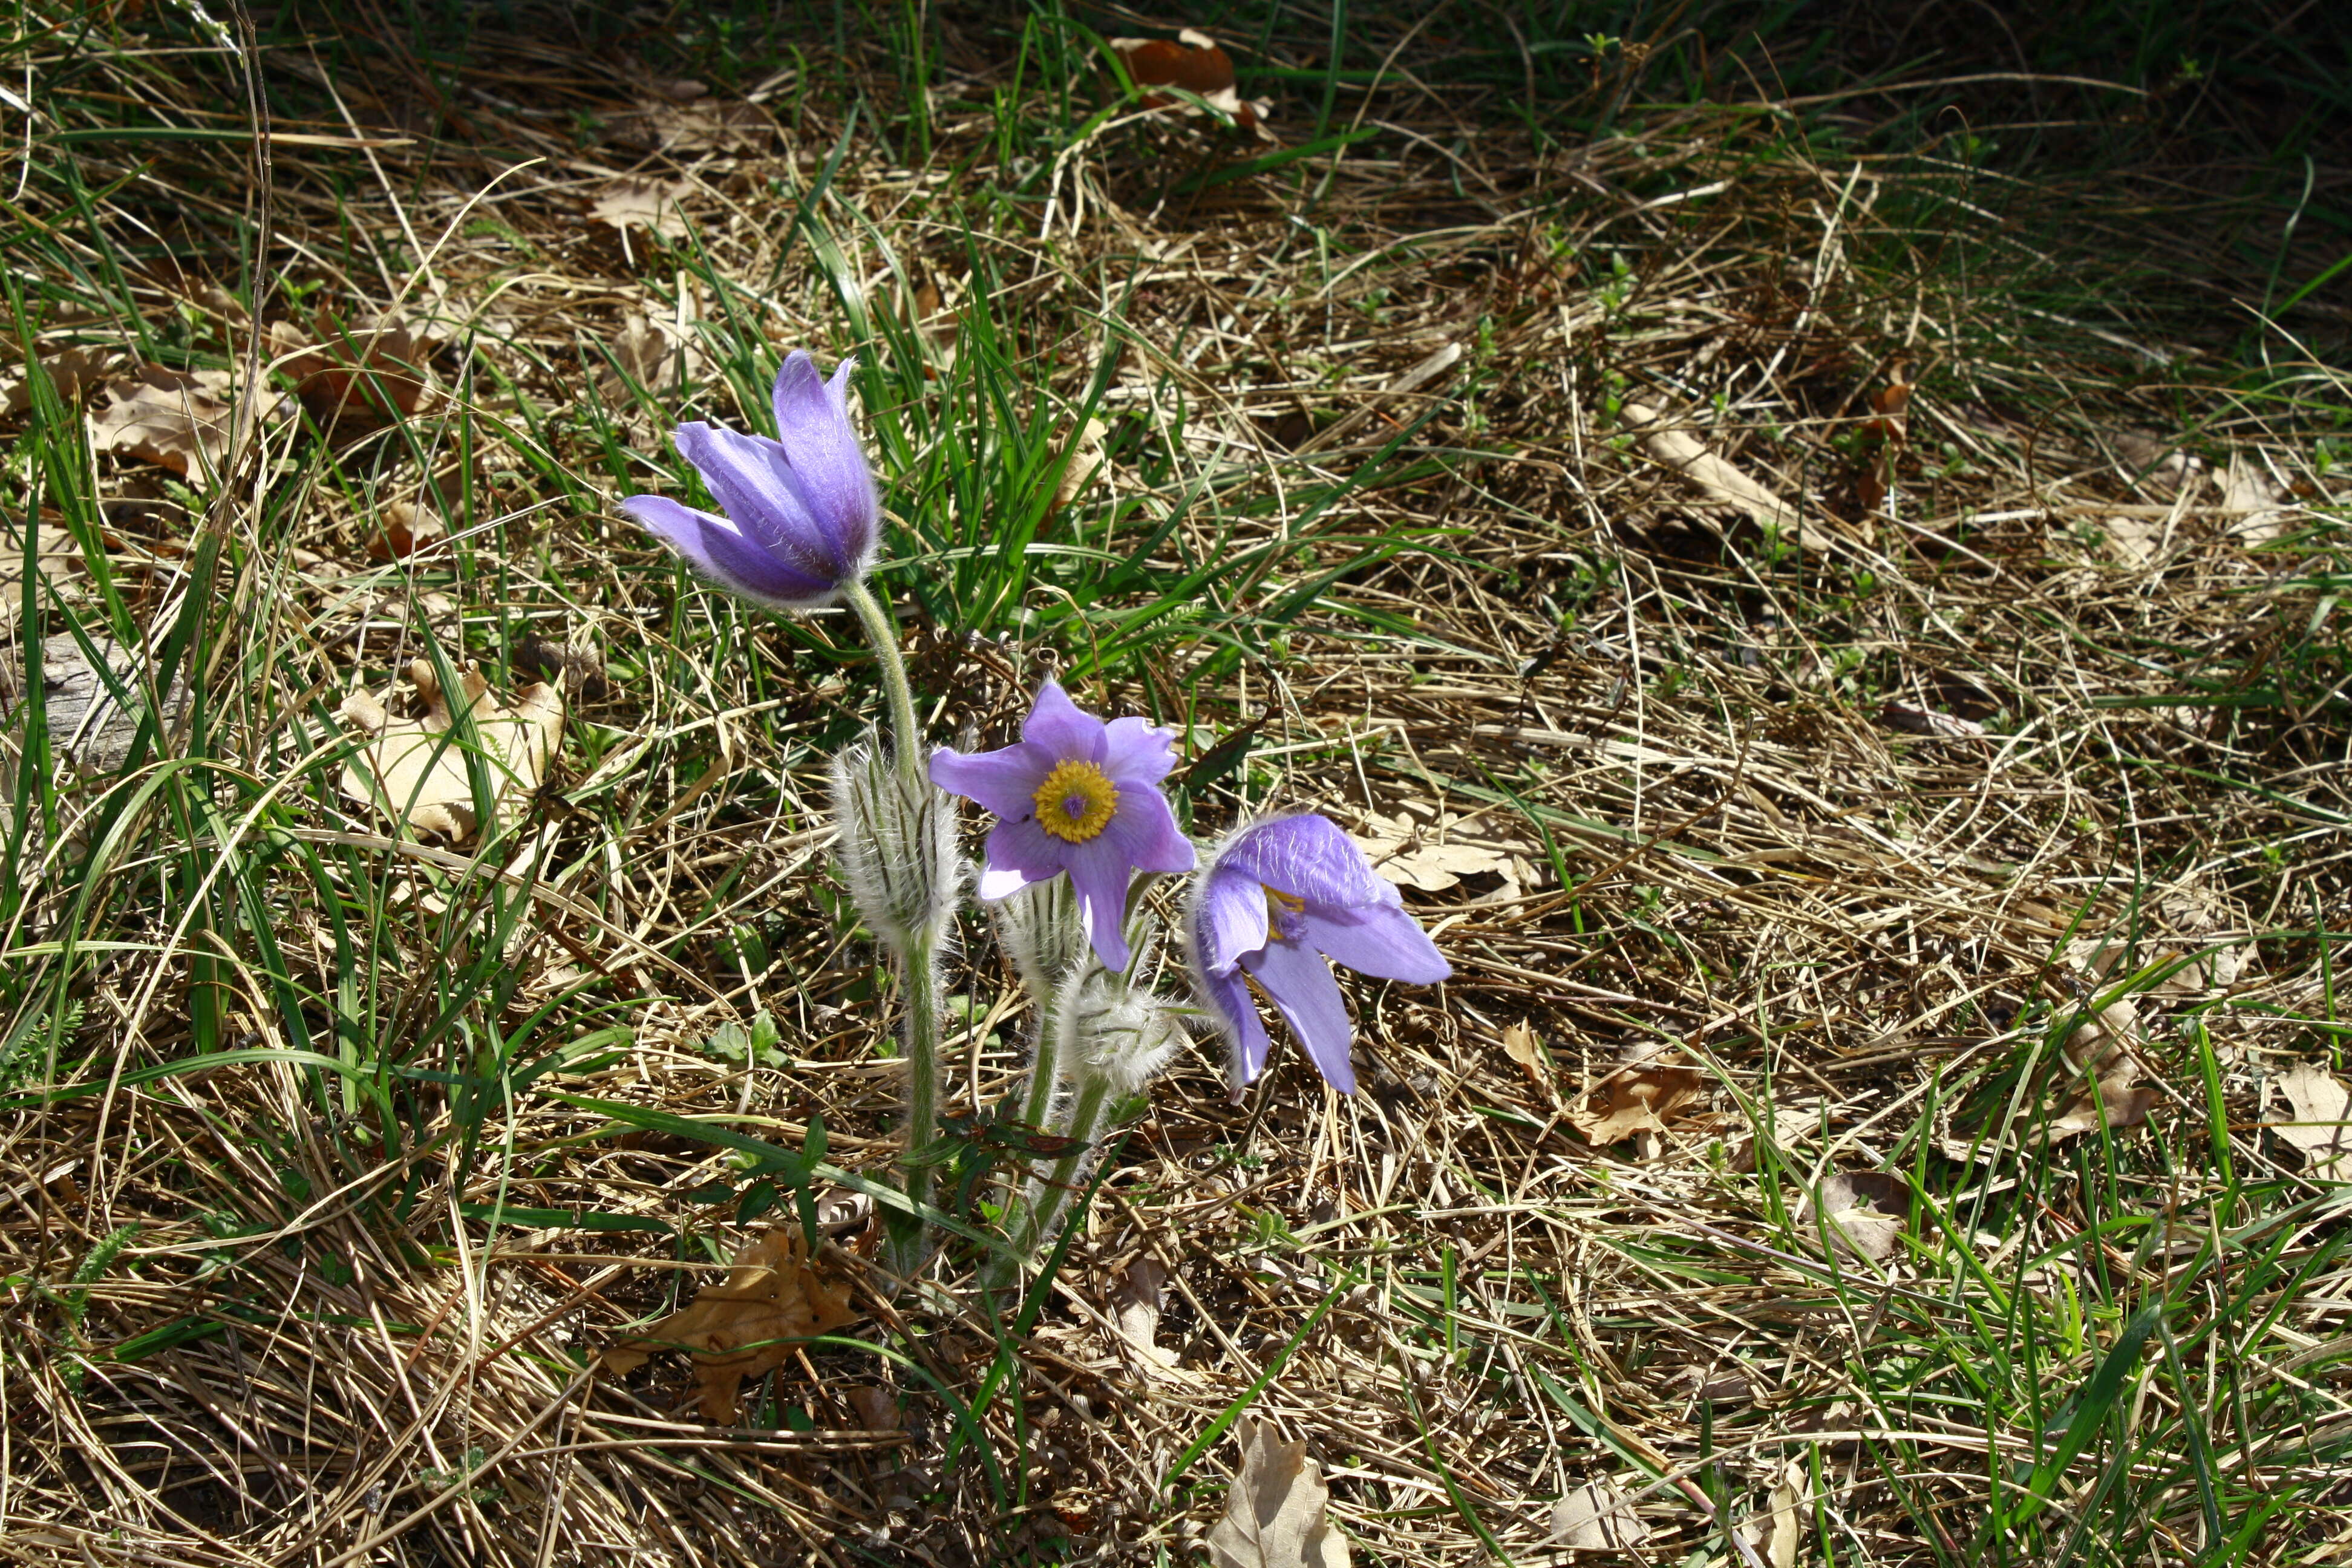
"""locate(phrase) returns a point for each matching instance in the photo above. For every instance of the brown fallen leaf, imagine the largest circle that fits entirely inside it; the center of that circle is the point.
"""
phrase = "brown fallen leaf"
(1432, 852)
(1521, 1044)
(579, 670)
(1196, 63)
(876, 1409)
(640, 202)
(407, 529)
(1864, 1212)
(1597, 1517)
(2322, 1128)
(1635, 1100)
(650, 357)
(54, 558)
(1926, 721)
(366, 372)
(1274, 1516)
(746, 1325)
(1084, 461)
(1789, 1497)
(2124, 1103)
(180, 420)
(1724, 484)
(416, 771)
(1136, 1305)
(695, 123)
(2248, 489)
(72, 371)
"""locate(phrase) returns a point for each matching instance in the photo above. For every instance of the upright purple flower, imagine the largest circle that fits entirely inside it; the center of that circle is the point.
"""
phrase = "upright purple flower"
(1073, 795)
(1279, 898)
(802, 518)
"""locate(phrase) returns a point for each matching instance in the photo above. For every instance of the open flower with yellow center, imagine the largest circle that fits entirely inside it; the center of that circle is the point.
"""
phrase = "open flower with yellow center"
(1073, 795)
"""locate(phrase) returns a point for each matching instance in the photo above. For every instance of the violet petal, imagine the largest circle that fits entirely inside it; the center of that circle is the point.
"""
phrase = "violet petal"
(1057, 724)
(713, 548)
(1303, 986)
(826, 463)
(1382, 940)
(1229, 919)
(1005, 781)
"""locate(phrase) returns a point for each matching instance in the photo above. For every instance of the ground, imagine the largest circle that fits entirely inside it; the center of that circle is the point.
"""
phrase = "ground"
(1823, 601)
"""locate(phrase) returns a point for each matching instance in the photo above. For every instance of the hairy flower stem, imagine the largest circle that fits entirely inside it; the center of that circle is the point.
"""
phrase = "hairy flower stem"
(1046, 1198)
(1044, 1072)
(919, 966)
(882, 631)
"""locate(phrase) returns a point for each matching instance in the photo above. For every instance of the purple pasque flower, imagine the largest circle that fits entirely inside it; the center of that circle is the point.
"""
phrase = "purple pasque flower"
(1079, 795)
(1279, 898)
(803, 517)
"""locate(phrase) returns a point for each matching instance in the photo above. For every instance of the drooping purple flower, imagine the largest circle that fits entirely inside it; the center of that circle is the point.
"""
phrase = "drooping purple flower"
(801, 515)
(1279, 898)
(1073, 795)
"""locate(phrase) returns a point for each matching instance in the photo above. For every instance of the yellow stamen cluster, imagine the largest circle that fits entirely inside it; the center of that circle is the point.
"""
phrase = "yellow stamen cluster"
(1075, 802)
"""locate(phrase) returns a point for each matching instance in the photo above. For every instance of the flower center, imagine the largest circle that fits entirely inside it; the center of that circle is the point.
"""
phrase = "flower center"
(1075, 802)
(1283, 911)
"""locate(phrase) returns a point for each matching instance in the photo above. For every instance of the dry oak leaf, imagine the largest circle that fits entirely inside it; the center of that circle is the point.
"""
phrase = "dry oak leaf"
(2322, 1128)
(367, 373)
(2124, 1104)
(650, 357)
(407, 529)
(1523, 1046)
(1274, 1516)
(2247, 487)
(642, 203)
(177, 419)
(1196, 63)
(55, 557)
(1862, 1211)
(417, 770)
(72, 372)
(1597, 1517)
(1136, 1302)
(1724, 485)
(746, 1325)
(1635, 1100)
(1404, 853)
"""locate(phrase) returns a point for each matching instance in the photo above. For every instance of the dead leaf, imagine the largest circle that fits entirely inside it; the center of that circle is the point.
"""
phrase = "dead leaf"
(1724, 485)
(1635, 1100)
(1082, 461)
(579, 670)
(1521, 1044)
(2101, 1039)
(1433, 852)
(72, 372)
(416, 771)
(1864, 1212)
(1275, 1514)
(641, 203)
(744, 1326)
(54, 558)
(2247, 487)
(1788, 1536)
(178, 420)
(1597, 1517)
(2126, 1105)
(876, 1409)
(1136, 1306)
(1194, 62)
(2322, 1128)
(649, 356)
(407, 529)
(694, 122)
(1926, 722)
(366, 372)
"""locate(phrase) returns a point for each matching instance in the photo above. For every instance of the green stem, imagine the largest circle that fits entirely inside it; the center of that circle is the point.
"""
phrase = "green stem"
(1045, 1071)
(1045, 1207)
(922, 980)
(882, 631)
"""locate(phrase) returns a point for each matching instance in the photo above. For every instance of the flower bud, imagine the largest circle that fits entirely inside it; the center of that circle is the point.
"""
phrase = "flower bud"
(1042, 930)
(897, 846)
(1117, 1037)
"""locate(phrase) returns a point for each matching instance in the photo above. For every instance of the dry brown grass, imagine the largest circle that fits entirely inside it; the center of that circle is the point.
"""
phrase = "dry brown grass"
(1858, 813)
